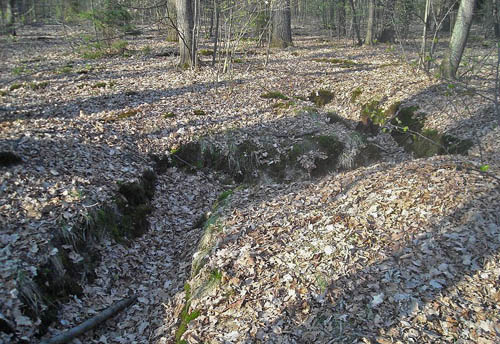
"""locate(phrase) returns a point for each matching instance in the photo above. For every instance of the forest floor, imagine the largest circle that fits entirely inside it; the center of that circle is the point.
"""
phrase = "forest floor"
(405, 250)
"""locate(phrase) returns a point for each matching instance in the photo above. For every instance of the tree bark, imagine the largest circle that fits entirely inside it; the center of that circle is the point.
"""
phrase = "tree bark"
(451, 61)
(172, 35)
(341, 18)
(423, 47)
(370, 24)
(496, 23)
(10, 17)
(282, 27)
(185, 25)
(355, 22)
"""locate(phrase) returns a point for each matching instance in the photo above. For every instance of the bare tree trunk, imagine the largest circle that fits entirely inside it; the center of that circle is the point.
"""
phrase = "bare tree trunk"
(451, 61)
(216, 38)
(370, 25)
(172, 35)
(355, 22)
(10, 17)
(282, 28)
(185, 26)
(423, 48)
(496, 23)
(341, 19)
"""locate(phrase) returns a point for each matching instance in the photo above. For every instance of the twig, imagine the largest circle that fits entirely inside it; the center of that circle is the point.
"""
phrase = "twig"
(91, 323)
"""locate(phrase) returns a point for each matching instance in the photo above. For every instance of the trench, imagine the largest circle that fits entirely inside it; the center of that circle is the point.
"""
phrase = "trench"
(225, 161)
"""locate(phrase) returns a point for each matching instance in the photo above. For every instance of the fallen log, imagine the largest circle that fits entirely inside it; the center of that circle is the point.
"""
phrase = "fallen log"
(90, 323)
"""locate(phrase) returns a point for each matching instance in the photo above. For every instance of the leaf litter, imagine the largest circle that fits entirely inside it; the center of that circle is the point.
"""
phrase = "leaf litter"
(402, 251)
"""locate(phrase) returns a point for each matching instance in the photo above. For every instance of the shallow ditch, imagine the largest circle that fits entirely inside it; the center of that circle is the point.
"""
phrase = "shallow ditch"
(245, 159)
(124, 218)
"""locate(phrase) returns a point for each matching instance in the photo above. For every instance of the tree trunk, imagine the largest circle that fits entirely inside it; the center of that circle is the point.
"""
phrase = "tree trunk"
(172, 35)
(370, 24)
(496, 23)
(423, 47)
(341, 18)
(282, 27)
(355, 22)
(185, 25)
(10, 17)
(451, 61)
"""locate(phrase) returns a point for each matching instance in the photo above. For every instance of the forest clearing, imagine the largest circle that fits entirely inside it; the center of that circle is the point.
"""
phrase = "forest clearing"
(322, 192)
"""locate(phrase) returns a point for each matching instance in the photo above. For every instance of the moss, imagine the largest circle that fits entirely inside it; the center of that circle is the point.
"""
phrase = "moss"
(223, 196)
(332, 147)
(169, 115)
(185, 317)
(9, 158)
(206, 52)
(355, 94)
(454, 145)
(85, 70)
(427, 145)
(330, 144)
(199, 113)
(65, 69)
(215, 276)
(408, 121)
(187, 155)
(3, 93)
(237, 60)
(435, 143)
(127, 114)
(282, 105)
(274, 95)
(320, 97)
(15, 86)
(340, 62)
(99, 85)
(38, 85)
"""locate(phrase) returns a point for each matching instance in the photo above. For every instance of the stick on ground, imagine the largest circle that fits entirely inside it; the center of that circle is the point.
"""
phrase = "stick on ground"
(91, 323)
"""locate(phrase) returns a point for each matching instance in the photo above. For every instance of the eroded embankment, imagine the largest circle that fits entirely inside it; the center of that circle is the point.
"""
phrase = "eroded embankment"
(318, 144)
(332, 146)
(60, 276)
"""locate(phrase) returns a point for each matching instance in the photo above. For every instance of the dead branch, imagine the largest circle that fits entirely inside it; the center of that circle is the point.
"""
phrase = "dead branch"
(91, 323)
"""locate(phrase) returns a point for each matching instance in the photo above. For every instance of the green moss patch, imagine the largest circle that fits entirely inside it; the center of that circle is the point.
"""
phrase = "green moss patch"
(169, 115)
(99, 85)
(282, 105)
(185, 317)
(321, 97)
(206, 52)
(355, 94)
(430, 142)
(199, 113)
(15, 86)
(127, 114)
(274, 95)
(67, 69)
(35, 86)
